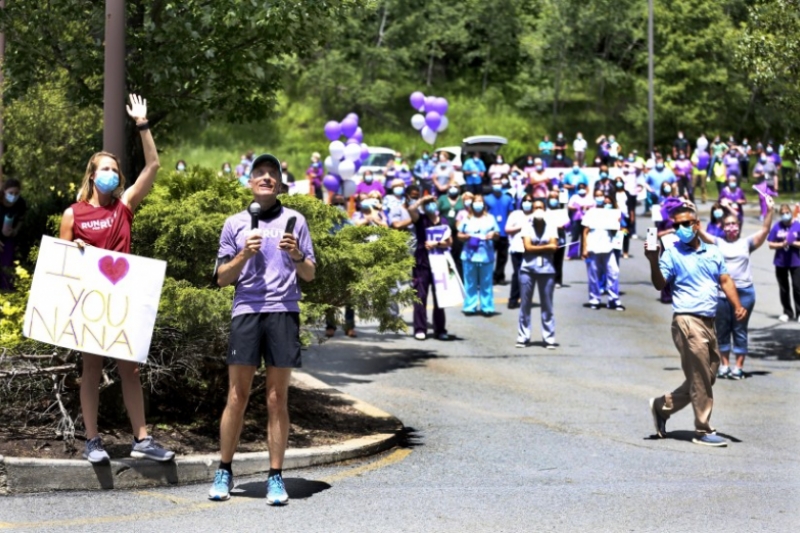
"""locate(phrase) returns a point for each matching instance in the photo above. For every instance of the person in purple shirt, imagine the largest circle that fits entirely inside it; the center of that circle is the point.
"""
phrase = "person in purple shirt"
(433, 237)
(314, 174)
(732, 197)
(731, 162)
(718, 213)
(765, 175)
(369, 184)
(784, 238)
(263, 264)
(683, 174)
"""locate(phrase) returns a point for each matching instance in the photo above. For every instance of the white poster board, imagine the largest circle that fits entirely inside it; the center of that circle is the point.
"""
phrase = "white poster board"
(600, 218)
(557, 217)
(94, 300)
(446, 283)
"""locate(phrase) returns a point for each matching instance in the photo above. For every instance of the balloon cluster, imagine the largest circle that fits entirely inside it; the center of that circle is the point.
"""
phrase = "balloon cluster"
(345, 157)
(433, 121)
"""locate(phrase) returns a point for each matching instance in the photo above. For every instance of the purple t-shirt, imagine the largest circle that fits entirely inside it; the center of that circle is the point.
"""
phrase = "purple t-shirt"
(366, 188)
(731, 163)
(786, 258)
(715, 230)
(733, 195)
(682, 168)
(268, 282)
(427, 230)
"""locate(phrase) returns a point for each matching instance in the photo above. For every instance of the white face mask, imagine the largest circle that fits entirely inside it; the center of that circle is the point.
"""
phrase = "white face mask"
(538, 214)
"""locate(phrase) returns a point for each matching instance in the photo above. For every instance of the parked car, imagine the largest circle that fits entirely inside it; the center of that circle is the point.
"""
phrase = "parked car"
(486, 145)
(377, 160)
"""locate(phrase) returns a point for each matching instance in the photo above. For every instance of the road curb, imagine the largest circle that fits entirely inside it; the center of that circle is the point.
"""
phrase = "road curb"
(24, 475)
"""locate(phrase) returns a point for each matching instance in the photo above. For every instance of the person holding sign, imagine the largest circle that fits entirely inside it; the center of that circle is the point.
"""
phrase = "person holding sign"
(262, 252)
(540, 241)
(600, 226)
(517, 221)
(102, 217)
(433, 237)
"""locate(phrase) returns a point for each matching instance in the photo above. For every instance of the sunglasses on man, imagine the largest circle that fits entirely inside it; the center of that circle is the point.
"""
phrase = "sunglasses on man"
(686, 223)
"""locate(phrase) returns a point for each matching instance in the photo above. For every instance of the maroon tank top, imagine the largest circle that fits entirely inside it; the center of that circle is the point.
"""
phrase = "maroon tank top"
(106, 227)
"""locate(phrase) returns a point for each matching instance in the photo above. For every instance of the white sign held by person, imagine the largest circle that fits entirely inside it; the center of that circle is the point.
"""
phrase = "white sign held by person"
(446, 283)
(94, 300)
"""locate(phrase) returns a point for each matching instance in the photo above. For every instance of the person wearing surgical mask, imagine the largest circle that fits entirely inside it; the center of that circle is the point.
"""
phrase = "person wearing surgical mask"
(603, 182)
(654, 180)
(517, 221)
(478, 231)
(500, 205)
(736, 249)
(444, 175)
(579, 146)
(404, 173)
(597, 249)
(369, 212)
(784, 238)
(538, 180)
(474, 170)
(180, 166)
(450, 205)
(12, 213)
(369, 184)
(540, 242)
(226, 171)
(577, 206)
(102, 218)
(555, 211)
(765, 175)
(733, 197)
(423, 172)
(574, 178)
(499, 167)
(718, 213)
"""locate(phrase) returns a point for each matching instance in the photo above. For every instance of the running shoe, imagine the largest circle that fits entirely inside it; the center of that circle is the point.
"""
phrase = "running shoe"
(710, 439)
(783, 318)
(594, 306)
(521, 344)
(150, 449)
(736, 373)
(276, 491)
(221, 489)
(94, 451)
(659, 421)
(724, 372)
(550, 345)
(443, 337)
(420, 336)
(616, 306)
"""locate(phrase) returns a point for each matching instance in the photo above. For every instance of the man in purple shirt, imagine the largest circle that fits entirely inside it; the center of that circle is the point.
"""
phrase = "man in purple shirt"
(263, 264)
(682, 168)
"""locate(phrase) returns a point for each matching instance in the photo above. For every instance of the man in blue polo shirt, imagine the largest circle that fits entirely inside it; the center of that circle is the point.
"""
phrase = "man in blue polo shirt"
(694, 272)
(499, 206)
(474, 170)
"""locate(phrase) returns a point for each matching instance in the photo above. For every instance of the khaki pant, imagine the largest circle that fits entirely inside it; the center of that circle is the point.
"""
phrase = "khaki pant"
(696, 341)
(699, 177)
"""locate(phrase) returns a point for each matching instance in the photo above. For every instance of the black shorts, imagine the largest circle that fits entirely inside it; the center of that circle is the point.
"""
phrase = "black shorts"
(275, 337)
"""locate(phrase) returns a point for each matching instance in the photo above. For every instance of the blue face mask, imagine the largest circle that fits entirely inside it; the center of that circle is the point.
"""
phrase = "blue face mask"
(599, 201)
(575, 170)
(366, 204)
(453, 192)
(527, 206)
(667, 189)
(619, 185)
(106, 181)
(553, 203)
(496, 187)
(539, 168)
(582, 192)
(181, 168)
(660, 166)
(430, 207)
(718, 213)
(608, 206)
(398, 191)
(686, 235)
(786, 217)
(368, 179)
(732, 184)
(478, 208)
(603, 175)
(11, 198)
(425, 157)
(467, 203)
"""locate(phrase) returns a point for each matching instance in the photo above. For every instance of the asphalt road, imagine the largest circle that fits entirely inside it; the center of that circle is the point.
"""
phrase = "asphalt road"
(506, 439)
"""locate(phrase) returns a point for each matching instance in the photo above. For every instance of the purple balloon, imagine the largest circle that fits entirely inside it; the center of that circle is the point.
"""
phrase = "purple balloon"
(443, 106)
(439, 105)
(417, 99)
(331, 182)
(364, 154)
(332, 130)
(349, 127)
(357, 163)
(359, 135)
(352, 140)
(429, 101)
(352, 116)
(433, 120)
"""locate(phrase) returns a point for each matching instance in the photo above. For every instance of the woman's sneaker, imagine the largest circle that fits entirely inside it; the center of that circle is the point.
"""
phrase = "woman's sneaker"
(736, 373)
(221, 489)
(150, 449)
(276, 491)
(94, 452)
(724, 372)
(710, 439)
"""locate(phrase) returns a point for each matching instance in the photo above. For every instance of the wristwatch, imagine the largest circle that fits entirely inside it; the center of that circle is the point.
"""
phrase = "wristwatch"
(301, 259)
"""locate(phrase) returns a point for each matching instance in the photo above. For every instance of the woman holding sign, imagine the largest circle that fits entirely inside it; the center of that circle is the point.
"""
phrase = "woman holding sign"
(102, 217)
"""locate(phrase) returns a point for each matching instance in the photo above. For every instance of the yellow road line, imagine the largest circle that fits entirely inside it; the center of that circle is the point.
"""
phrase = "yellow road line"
(393, 458)
(160, 496)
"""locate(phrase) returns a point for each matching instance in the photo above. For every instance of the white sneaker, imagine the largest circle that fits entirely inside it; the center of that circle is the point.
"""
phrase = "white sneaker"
(783, 318)
(420, 336)
(798, 318)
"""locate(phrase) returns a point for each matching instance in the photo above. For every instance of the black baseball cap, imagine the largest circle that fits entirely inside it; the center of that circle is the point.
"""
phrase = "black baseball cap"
(266, 158)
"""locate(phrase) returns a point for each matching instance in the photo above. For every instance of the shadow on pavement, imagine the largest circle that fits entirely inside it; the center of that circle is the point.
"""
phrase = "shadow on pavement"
(775, 341)
(687, 436)
(298, 488)
(409, 437)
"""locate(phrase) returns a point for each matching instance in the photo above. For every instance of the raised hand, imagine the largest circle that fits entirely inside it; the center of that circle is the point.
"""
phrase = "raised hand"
(137, 109)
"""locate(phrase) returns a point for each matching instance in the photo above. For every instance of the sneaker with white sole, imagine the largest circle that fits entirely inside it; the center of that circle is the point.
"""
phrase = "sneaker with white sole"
(736, 373)
(94, 451)
(724, 372)
(221, 489)
(150, 449)
(276, 491)
(783, 318)
(710, 439)
(443, 337)
(420, 336)
(659, 422)
(521, 344)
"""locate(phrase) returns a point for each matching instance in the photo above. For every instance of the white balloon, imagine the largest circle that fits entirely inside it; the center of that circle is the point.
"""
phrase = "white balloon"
(336, 149)
(348, 188)
(443, 124)
(428, 135)
(352, 152)
(417, 121)
(346, 169)
(331, 166)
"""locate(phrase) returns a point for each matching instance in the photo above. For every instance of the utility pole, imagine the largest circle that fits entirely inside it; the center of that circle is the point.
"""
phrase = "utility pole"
(650, 106)
(114, 81)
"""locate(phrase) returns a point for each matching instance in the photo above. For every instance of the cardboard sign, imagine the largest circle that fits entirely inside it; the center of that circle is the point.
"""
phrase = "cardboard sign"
(94, 300)
(557, 217)
(600, 218)
(446, 283)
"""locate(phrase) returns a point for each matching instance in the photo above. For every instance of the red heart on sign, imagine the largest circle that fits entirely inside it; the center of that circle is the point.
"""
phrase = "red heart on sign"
(113, 270)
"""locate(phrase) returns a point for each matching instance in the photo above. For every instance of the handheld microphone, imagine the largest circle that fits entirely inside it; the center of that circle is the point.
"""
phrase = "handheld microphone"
(255, 212)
